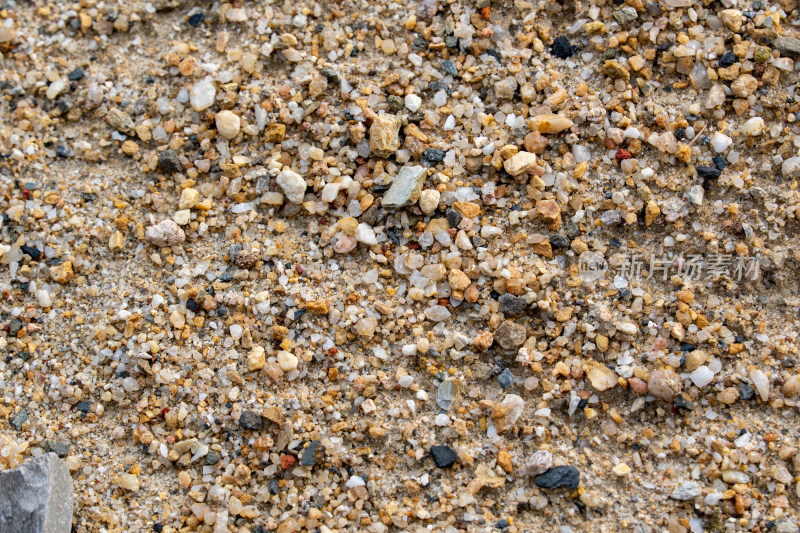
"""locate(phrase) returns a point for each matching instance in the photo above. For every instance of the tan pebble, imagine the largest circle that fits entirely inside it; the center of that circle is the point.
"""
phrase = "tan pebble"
(184, 479)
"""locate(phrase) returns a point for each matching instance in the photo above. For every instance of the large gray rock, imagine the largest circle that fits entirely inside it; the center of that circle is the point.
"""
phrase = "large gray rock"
(36, 497)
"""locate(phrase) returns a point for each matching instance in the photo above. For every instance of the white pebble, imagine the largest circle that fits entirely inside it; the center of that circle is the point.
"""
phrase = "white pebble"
(202, 95)
(365, 234)
(413, 102)
(720, 142)
(702, 376)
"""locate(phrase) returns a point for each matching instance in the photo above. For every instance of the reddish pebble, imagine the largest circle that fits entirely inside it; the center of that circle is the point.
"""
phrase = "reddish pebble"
(486, 12)
(637, 385)
(623, 154)
(287, 462)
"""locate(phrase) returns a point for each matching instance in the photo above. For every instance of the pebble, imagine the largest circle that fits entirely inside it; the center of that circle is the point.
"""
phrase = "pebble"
(228, 124)
(165, 233)
(384, 135)
(429, 201)
(293, 185)
(602, 377)
(506, 378)
(520, 163)
(510, 335)
(790, 168)
(540, 462)
(664, 384)
(506, 413)
(443, 456)
(406, 187)
(753, 127)
(559, 476)
(687, 491)
(202, 95)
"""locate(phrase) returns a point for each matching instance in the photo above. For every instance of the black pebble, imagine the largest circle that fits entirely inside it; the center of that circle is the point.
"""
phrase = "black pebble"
(169, 162)
(708, 173)
(562, 49)
(453, 217)
(719, 162)
(273, 487)
(34, 253)
(559, 241)
(191, 305)
(76, 74)
(512, 305)
(559, 476)
(434, 155)
(212, 457)
(250, 420)
(58, 448)
(158, 528)
(84, 406)
(443, 456)
(197, 18)
(683, 402)
(727, 59)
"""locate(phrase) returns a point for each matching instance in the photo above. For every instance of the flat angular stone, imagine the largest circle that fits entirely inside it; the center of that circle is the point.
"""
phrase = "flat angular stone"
(520, 163)
(36, 497)
(559, 476)
(406, 187)
(384, 135)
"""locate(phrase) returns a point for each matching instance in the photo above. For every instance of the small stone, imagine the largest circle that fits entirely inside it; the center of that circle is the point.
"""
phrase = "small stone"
(753, 127)
(274, 133)
(506, 378)
(189, 198)
(790, 168)
(119, 120)
(58, 448)
(169, 162)
(728, 396)
(313, 454)
(429, 200)
(621, 470)
(128, 482)
(165, 233)
(202, 95)
(559, 476)
(36, 497)
(446, 393)
(384, 135)
(293, 185)
(249, 420)
(744, 86)
(20, 419)
(787, 45)
(433, 155)
(406, 187)
(511, 305)
(506, 413)
(228, 124)
(664, 384)
(505, 88)
(549, 123)
(365, 234)
(701, 376)
(256, 359)
(510, 335)
(687, 491)
(602, 377)
(413, 102)
(735, 477)
(519, 164)
(760, 383)
(287, 361)
(562, 49)
(443, 456)
(720, 142)
(732, 18)
(613, 69)
(366, 326)
(437, 313)
(549, 211)
(62, 273)
(468, 209)
(538, 463)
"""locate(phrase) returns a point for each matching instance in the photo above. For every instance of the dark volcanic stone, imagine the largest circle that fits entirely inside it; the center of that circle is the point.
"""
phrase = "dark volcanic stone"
(250, 420)
(453, 217)
(443, 456)
(169, 162)
(512, 305)
(562, 49)
(559, 476)
(708, 173)
(434, 155)
(58, 448)
(727, 59)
